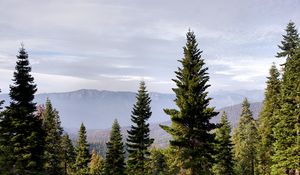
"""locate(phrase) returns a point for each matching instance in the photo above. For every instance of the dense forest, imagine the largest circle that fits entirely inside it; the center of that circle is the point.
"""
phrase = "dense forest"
(32, 140)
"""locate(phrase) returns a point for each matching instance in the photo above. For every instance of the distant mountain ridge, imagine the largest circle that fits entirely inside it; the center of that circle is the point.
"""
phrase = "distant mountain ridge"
(97, 109)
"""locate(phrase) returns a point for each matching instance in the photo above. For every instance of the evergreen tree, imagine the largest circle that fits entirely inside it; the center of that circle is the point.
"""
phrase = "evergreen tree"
(191, 127)
(157, 164)
(267, 121)
(1, 102)
(114, 163)
(20, 131)
(290, 41)
(82, 151)
(53, 137)
(139, 140)
(97, 164)
(69, 155)
(224, 155)
(245, 142)
(286, 132)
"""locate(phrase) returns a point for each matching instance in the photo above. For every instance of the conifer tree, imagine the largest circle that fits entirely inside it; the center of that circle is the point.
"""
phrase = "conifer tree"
(68, 154)
(245, 142)
(82, 151)
(97, 164)
(139, 141)
(224, 152)
(191, 127)
(290, 41)
(53, 138)
(286, 131)
(1, 102)
(114, 163)
(267, 121)
(20, 131)
(157, 164)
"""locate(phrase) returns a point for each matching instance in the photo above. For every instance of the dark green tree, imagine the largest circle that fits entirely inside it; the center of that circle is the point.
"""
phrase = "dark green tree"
(224, 151)
(68, 154)
(287, 129)
(97, 164)
(290, 41)
(115, 160)
(53, 138)
(20, 130)
(245, 142)
(267, 121)
(191, 127)
(157, 163)
(139, 141)
(82, 151)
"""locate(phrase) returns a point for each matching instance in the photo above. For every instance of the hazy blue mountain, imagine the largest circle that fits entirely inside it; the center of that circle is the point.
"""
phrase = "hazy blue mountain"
(97, 109)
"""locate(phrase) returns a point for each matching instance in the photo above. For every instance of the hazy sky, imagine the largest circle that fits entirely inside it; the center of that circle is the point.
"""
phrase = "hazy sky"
(107, 44)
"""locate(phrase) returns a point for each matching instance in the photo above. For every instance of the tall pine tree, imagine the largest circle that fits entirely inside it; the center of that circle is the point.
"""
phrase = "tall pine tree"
(224, 151)
(267, 121)
(287, 130)
(245, 142)
(82, 151)
(114, 163)
(290, 41)
(68, 154)
(139, 141)
(191, 127)
(20, 130)
(53, 138)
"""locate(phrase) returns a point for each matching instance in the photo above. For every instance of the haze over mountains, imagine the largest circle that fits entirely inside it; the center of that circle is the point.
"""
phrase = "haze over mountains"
(97, 109)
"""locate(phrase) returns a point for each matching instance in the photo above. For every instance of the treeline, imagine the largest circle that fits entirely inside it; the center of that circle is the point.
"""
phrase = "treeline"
(32, 140)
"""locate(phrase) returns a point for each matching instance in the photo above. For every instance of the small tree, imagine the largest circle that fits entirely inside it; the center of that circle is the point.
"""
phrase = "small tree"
(82, 151)
(224, 153)
(139, 141)
(114, 163)
(68, 153)
(96, 164)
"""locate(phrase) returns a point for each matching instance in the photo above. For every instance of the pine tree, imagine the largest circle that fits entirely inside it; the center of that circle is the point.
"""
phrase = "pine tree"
(286, 131)
(82, 151)
(191, 127)
(139, 141)
(245, 142)
(290, 41)
(267, 121)
(224, 155)
(68, 154)
(114, 163)
(97, 164)
(20, 131)
(53, 138)
(157, 164)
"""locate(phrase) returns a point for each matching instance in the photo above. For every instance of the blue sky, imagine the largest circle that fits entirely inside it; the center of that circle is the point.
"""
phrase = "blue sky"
(112, 45)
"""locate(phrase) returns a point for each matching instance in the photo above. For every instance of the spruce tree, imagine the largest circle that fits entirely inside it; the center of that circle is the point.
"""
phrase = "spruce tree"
(267, 121)
(157, 164)
(290, 41)
(68, 154)
(53, 138)
(139, 141)
(191, 127)
(97, 164)
(20, 130)
(224, 151)
(286, 131)
(82, 151)
(245, 141)
(114, 163)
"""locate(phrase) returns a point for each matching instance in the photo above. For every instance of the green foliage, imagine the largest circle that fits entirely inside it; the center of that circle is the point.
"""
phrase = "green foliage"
(286, 132)
(267, 121)
(97, 164)
(53, 138)
(82, 151)
(139, 140)
(68, 154)
(290, 41)
(224, 155)
(20, 131)
(191, 127)
(245, 141)
(114, 163)
(157, 164)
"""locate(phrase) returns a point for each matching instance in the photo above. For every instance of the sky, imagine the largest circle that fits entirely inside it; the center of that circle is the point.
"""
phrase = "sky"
(114, 44)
